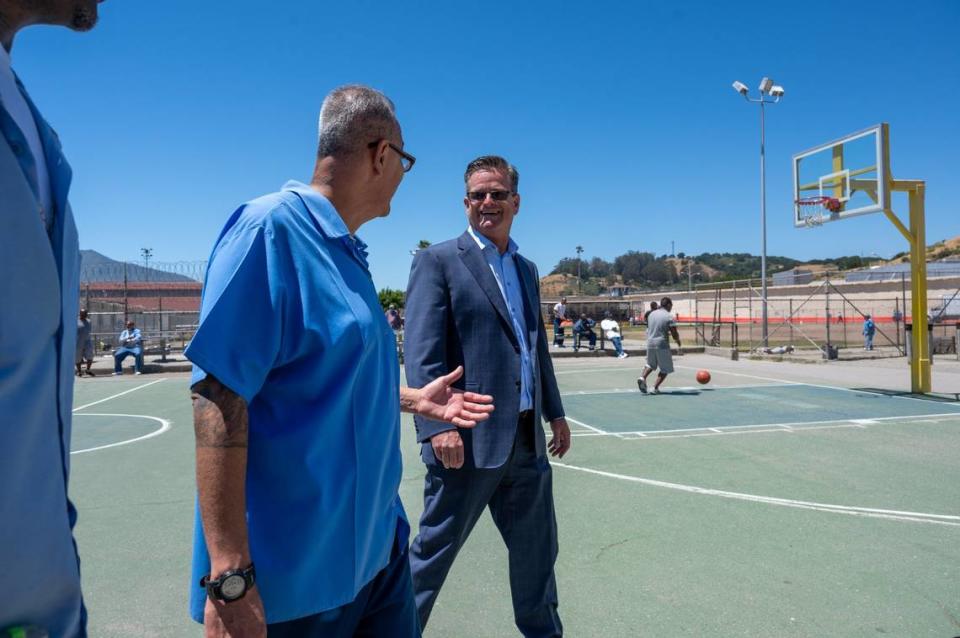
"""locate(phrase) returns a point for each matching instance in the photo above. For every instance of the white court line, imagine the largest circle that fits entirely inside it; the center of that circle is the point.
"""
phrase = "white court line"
(164, 426)
(575, 393)
(120, 394)
(818, 385)
(795, 425)
(592, 429)
(580, 370)
(868, 512)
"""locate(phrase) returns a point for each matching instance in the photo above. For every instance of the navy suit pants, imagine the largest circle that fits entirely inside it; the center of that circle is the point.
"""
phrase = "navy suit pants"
(519, 495)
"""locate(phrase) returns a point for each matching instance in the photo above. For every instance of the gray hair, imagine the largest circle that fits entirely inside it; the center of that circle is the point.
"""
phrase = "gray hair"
(493, 163)
(353, 116)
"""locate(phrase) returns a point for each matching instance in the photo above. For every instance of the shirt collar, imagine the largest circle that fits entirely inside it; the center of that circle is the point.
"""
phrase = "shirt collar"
(329, 220)
(320, 207)
(485, 243)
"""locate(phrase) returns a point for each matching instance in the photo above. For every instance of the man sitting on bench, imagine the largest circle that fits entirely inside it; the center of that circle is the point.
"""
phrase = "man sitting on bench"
(131, 342)
(583, 329)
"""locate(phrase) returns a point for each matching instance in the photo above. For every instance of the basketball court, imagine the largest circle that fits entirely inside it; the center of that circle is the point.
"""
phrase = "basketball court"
(777, 500)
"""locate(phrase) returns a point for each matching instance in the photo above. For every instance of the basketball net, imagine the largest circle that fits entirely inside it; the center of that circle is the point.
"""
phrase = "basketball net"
(816, 210)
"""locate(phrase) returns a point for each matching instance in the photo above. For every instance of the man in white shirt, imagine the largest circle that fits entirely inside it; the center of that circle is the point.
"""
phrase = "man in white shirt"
(611, 330)
(559, 316)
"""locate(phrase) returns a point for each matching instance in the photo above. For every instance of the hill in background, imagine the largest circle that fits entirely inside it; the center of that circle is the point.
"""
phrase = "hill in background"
(643, 270)
(95, 267)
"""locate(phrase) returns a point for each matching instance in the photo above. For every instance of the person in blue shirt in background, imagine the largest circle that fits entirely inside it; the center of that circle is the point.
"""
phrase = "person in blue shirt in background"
(869, 329)
(583, 329)
(296, 410)
(131, 343)
(40, 262)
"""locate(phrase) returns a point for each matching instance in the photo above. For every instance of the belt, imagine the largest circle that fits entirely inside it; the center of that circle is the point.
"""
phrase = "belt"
(526, 415)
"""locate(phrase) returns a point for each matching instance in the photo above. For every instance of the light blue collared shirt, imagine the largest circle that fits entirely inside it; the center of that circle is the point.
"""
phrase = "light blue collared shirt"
(504, 269)
(291, 322)
(40, 262)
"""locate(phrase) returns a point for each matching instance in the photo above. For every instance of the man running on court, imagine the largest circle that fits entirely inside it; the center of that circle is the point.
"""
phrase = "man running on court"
(660, 324)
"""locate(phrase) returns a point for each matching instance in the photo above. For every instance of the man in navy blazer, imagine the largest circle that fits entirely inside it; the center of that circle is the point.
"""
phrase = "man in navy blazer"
(474, 301)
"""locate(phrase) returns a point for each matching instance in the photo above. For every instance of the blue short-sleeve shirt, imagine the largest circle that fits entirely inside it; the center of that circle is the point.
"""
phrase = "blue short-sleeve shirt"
(291, 322)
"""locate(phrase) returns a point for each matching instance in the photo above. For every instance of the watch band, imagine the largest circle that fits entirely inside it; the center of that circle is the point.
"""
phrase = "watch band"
(214, 586)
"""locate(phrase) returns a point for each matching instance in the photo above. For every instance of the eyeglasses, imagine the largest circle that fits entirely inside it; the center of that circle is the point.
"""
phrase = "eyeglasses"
(481, 196)
(406, 159)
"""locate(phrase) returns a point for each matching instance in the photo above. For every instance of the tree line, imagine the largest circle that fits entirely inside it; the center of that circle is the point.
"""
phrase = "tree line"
(644, 269)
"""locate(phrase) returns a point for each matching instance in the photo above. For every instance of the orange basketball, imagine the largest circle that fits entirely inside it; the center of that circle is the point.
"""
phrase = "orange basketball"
(703, 376)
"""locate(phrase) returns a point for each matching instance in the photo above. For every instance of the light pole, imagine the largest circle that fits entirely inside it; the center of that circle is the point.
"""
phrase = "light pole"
(767, 87)
(579, 251)
(146, 253)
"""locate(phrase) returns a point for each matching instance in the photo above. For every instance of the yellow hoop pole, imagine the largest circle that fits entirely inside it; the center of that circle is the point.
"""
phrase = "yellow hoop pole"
(920, 362)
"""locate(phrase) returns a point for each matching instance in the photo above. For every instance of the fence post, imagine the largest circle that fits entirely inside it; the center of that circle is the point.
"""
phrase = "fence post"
(791, 321)
(896, 322)
(843, 318)
(829, 346)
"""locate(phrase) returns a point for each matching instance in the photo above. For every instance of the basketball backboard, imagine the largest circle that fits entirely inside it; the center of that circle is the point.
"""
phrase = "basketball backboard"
(847, 177)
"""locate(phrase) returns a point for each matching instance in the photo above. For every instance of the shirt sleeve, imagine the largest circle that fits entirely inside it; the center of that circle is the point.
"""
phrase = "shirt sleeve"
(238, 339)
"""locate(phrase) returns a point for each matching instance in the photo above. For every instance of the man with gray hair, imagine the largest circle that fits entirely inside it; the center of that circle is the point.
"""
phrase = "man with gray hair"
(296, 411)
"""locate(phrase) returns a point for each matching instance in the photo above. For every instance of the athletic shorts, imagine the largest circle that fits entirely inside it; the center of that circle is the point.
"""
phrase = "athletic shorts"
(84, 352)
(660, 358)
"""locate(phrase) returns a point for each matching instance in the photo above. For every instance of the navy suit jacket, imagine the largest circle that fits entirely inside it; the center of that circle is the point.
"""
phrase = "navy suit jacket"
(456, 315)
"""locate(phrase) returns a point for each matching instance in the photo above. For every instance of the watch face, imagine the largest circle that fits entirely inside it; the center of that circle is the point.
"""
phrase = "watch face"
(233, 587)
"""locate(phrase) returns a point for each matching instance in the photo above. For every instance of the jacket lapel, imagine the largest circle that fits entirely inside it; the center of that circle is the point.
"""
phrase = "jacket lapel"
(60, 175)
(473, 259)
(57, 167)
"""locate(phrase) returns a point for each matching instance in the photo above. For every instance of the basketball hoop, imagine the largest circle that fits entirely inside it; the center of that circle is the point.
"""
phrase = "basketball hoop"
(816, 210)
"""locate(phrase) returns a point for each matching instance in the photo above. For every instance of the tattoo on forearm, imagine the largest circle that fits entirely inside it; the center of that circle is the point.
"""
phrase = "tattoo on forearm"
(408, 403)
(219, 415)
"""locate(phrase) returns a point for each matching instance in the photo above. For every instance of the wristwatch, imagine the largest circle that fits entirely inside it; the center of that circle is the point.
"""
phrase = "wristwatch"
(231, 585)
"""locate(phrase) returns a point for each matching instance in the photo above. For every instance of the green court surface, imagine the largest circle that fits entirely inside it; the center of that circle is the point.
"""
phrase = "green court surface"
(775, 501)
(679, 410)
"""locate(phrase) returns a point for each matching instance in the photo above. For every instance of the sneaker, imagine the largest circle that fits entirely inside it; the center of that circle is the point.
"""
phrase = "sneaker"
(642, 385)
(138, 372)
(654, 391)
(117, 374)
(622, 355)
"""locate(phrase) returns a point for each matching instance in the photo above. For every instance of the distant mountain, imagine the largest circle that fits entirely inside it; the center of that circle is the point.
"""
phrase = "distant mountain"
(95, 267)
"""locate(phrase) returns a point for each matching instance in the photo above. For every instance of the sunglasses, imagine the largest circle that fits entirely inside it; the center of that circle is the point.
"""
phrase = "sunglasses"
(481, 196)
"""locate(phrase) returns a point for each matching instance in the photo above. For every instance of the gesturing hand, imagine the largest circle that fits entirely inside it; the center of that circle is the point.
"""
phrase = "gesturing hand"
(440, 402)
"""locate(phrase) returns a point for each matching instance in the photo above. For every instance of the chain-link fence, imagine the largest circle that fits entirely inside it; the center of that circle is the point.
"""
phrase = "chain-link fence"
(830, 311)
(162, 299)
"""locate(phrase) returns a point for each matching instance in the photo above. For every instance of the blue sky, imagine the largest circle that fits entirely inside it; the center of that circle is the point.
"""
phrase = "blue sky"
(619, 115)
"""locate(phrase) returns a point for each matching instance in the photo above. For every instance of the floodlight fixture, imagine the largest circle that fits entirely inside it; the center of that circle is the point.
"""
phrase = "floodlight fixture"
(775, 91)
